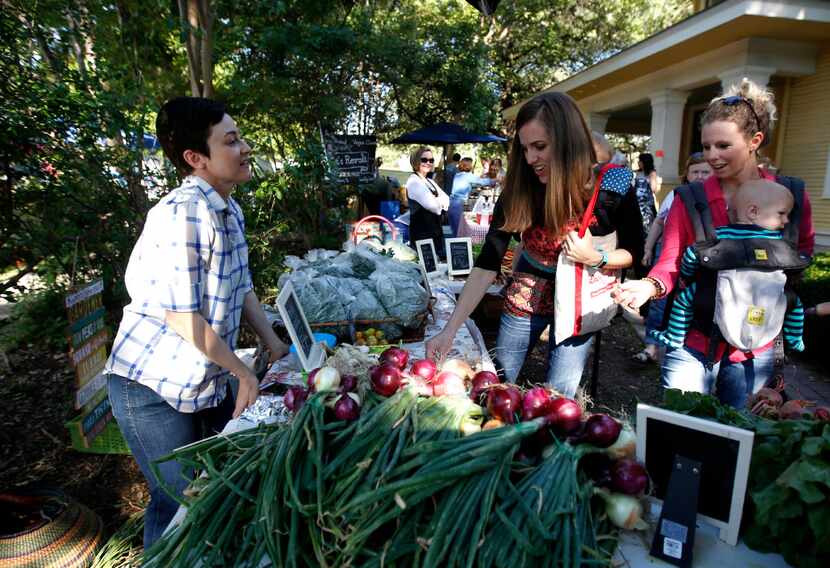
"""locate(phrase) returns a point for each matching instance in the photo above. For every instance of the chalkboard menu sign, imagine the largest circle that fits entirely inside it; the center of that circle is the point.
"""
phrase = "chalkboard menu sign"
(310, 353)
(427, 256)
(724, 454)
(459, 256)
(354, 155)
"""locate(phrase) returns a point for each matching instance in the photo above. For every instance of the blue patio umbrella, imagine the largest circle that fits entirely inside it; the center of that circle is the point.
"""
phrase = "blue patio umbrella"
(445, 133)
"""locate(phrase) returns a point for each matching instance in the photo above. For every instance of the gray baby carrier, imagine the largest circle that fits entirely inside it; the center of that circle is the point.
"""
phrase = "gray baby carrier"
(742, 285)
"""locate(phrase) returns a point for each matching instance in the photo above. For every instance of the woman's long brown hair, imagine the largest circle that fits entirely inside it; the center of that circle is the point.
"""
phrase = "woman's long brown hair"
(525, 200)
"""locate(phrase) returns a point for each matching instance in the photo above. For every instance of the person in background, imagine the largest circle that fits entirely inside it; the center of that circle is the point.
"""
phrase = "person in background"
(450, 169)
(696, 170)
(647, 185)
(169, 372)
(735, 126)
(376, 191)
(485, 165)
(426, 202)
(548, 186)
(462, 185)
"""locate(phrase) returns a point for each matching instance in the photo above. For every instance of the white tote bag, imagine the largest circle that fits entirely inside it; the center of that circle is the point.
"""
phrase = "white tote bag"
(582, 295)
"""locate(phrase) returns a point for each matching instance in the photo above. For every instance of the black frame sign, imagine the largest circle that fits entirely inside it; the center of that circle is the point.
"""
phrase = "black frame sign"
(459, 256)
(354, 155)
(309, 352)
(427, 256)
(723, 451)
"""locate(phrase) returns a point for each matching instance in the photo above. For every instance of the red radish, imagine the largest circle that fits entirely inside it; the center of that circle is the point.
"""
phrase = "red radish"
(601, 430)
(481, 382)
(348, 383)
(395, 356)
(294, 398)
(386, 379)
(565, 415)
(425, 368)
(346, 407)
(448, 384)
(503, 402)
(535, 403)
(822, 413)
(792, 409)
(629, 477)
(458, 367)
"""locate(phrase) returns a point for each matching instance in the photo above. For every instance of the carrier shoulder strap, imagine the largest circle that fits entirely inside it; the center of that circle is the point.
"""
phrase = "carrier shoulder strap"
(796, 187)
(694, 199)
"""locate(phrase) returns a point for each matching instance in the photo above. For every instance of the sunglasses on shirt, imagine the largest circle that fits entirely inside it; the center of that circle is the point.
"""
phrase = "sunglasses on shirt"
(427, 160)
(736, 100)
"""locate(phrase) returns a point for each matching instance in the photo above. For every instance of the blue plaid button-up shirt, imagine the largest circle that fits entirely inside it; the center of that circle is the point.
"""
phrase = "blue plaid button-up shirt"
(191, 257)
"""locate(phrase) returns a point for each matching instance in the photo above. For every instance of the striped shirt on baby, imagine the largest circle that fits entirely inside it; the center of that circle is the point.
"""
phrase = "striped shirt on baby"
(191, 257)
(680, 316)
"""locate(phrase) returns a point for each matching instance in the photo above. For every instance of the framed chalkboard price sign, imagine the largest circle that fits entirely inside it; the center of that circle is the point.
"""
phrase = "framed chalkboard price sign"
(459, 256)
(723, 451)
(310, 353)
(427, 256)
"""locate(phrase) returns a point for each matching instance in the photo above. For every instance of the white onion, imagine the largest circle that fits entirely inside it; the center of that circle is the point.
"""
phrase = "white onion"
(327, 378)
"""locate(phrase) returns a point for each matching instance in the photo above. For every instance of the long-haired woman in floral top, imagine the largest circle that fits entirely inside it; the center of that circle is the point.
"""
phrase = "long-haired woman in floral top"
(548, 186)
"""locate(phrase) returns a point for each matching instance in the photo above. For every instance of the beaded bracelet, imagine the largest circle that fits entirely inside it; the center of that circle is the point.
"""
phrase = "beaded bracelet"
(661, 289)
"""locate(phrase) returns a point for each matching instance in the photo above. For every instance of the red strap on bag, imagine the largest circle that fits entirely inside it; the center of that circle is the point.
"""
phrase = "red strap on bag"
(583, 227)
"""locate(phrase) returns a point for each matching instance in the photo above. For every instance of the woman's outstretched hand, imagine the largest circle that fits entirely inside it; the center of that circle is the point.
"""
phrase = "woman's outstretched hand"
(581, 250)
(437, 347)
(632, 294)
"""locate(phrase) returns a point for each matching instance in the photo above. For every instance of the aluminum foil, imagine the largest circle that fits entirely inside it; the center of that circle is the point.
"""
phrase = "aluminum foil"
(268, 409)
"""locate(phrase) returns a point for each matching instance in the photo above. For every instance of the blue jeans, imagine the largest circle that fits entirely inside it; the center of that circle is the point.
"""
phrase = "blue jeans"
(152, 429)
(454, 213)
(654, 320)
(518, 336)
(732, 383)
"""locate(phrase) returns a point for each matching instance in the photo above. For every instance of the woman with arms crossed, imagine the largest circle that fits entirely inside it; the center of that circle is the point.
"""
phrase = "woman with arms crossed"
(189, 287)
(734, 127)
(548, 186)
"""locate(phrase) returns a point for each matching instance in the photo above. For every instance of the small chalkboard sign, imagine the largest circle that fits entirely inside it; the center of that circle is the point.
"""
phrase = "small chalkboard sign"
(354, 155)
(310, 353)
(723, 451)
(427, 256)
(459, 256)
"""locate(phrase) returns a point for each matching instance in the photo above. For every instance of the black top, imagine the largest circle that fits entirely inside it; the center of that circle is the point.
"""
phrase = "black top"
(614, 212)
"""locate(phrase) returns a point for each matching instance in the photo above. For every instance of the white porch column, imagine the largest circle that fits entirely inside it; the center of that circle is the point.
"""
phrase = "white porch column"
(755, 73)
(666, 128)
(597, 121)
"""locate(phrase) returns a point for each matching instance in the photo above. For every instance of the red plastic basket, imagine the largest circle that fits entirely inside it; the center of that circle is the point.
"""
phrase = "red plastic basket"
(357, 225)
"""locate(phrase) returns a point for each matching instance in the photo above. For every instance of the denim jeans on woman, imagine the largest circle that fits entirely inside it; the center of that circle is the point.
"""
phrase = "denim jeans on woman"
(152, 429)
(454, 213)
(732, 383)
(518, 336)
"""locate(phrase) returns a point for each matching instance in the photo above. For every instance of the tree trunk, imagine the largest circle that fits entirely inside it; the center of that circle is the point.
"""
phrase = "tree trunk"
(197, 25)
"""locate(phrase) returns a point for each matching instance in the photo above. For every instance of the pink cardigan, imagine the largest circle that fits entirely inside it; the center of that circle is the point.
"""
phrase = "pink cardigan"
(679, 234)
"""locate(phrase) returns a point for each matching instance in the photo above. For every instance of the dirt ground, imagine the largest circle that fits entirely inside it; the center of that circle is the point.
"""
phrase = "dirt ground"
(38, 387)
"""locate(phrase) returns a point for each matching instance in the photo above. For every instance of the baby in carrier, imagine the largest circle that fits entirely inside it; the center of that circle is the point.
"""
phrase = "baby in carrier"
(736, 286)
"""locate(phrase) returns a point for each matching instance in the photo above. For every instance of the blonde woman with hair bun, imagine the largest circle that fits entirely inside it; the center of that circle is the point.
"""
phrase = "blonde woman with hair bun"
(735, 127)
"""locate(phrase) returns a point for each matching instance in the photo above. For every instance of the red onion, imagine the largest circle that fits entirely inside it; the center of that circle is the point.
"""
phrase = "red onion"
(346, 408)
(448, 384)
(481, 382)
(294, 398)
(629, 477)
(601, 430)
(565, 415)
(503, 402)
(535, 403)
(311, 376)
(386, 379)
(348, 383)
(822, 413)
(598, 468)
(395, 356)
(425, 368)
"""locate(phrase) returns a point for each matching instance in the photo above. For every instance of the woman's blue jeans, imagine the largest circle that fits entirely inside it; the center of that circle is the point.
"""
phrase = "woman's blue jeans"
(454, 213)
(732, 383)
(152, 429)
(518, 336)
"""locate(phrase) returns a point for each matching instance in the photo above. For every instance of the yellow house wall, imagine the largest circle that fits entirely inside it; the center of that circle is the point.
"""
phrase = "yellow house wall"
(806, 142)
